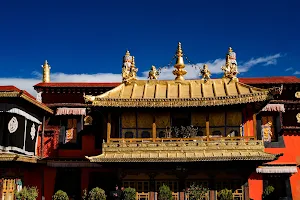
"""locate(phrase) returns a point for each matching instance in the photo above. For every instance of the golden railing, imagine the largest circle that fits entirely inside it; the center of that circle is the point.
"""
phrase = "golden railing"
(204, 139)
(142, 196)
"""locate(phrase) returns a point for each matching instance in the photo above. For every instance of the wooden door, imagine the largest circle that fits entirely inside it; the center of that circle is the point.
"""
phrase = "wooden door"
(8, 189)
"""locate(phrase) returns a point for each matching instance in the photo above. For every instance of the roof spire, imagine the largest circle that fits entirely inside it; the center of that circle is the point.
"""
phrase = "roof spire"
(179, 71)
(46, 72)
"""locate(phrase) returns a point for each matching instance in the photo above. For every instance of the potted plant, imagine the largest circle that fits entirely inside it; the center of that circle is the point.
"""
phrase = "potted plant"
(97, 194)
(225, 194)
(27, 193)
(130, 193)
(268, 192)
(197, 192)
(165, 193)
(60, 195)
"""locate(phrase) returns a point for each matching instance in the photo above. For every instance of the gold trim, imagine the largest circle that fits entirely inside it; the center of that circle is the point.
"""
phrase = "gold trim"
(27, 98)
(297, 95)
(189, 102)
(183, 151)
(14, 157)
(37, 103)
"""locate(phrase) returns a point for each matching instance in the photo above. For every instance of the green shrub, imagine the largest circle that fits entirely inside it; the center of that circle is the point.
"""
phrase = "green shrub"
(197, 192)
(268, 190)
(225, 194)
(27, 193)
(130, 193)
(97, 194)
(60, 195)
(165, 193)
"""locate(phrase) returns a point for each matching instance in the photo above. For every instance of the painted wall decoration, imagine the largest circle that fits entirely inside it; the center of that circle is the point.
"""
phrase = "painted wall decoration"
(266, 132)
(18, 132)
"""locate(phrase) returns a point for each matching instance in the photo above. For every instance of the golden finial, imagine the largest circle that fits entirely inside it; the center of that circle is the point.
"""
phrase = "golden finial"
(179, 72)
(46, 72)
(127, 53)
(230, 50)
(133, 62)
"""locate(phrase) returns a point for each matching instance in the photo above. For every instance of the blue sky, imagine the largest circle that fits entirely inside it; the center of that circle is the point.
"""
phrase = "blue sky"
(85, 40)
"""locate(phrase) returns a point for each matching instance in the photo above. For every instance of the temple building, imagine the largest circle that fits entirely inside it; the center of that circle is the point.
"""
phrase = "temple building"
(21, 120)
(230, 132)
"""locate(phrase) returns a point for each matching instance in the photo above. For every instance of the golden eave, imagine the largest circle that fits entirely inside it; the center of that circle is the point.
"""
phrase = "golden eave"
(184, 152)
(187, 93)
(15, 94)
(15, 157)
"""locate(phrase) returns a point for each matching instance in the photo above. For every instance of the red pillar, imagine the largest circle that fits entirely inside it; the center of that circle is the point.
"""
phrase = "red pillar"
(255, 182)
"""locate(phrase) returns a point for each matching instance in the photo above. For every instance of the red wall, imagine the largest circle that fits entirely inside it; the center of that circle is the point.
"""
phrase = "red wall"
(255, 182)
(291, 155)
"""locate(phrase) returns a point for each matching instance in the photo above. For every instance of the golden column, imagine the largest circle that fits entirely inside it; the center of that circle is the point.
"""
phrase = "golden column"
(179, 71)
(46, 72)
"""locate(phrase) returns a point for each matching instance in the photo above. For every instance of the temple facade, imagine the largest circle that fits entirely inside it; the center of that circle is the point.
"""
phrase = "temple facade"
(235, 133)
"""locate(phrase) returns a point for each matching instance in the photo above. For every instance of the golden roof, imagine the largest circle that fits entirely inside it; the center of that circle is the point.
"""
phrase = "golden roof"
(183, 152)
(187, 93)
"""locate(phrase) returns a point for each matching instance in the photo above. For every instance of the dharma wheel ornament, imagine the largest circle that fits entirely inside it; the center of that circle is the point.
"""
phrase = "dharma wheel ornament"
(230, 69)
(179, 71)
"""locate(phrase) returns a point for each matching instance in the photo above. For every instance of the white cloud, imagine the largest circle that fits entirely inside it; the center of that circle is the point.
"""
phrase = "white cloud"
(166, 73)
(297, 72)
(289, 69)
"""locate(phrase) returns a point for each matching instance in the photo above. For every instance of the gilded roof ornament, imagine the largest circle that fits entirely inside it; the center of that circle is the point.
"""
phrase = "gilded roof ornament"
(46, 72)
(179, 71)
(153, 73)
(230, 69)
(205, 73)
(128, 69)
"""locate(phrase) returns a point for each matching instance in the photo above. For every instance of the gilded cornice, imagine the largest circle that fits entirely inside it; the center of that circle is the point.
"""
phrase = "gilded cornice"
(27, 98)
(183, 151)
(188, 93)
(14, 157)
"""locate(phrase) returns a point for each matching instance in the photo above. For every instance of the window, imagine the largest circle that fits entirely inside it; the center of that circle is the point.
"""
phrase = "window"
(226, 124)
(69, 129)
(136, 125)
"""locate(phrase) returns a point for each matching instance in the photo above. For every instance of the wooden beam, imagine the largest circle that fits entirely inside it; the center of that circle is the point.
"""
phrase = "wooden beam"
(254, 126)
(154, 129)
(207, 127)
(42, 138)
(108, 127)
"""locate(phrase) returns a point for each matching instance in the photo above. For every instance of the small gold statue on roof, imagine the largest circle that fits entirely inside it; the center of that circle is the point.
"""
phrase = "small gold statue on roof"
(153, 73)
(230, 69)
(129, 70)
(205, 73)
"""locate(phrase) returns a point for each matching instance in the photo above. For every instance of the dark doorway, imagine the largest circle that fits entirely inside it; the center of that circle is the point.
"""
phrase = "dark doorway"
(104, 180)
(69, 180)
(282, 187)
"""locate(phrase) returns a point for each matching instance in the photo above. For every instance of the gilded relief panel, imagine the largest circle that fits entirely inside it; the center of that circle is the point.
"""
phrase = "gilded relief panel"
(129, 120)
(234, 118)
(198, 119)
(162, 120)
(217, 119)
(144, 120)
